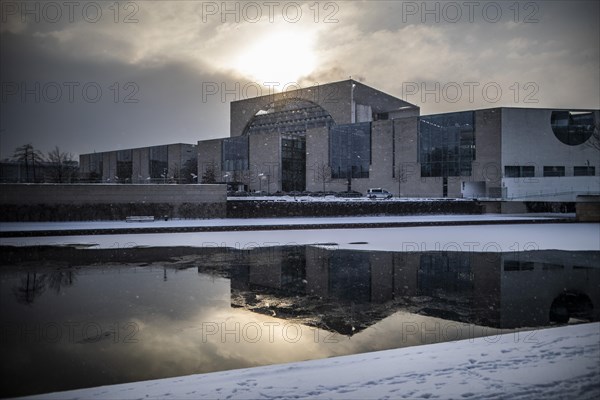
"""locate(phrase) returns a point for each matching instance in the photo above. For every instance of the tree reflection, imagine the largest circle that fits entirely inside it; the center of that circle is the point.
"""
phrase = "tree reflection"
(31, 287)
(61, 278)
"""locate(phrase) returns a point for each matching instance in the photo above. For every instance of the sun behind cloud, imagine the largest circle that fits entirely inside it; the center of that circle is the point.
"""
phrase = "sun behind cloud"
(280, 56)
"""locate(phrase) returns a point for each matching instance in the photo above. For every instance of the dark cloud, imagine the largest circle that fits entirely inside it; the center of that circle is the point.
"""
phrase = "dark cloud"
(166, 60)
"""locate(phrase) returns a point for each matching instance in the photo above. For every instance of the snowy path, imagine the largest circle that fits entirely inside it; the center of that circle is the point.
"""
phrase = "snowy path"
(553, 363)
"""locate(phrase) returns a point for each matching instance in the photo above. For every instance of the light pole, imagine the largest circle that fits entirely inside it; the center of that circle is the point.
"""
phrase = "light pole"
(226, 176)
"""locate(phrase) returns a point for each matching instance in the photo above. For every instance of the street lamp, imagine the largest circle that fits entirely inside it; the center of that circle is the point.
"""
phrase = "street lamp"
(164, 175)
(262, 176)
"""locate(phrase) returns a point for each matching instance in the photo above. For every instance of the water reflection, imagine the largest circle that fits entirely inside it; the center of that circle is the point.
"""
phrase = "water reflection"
(506, 290)
(106, 319)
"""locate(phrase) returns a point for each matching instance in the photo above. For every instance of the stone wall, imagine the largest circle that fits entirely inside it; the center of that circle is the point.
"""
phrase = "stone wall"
(266, 209)
(77, 202)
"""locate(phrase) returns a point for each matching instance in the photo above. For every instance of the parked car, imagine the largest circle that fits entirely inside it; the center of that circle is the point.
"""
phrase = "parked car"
(378, 193)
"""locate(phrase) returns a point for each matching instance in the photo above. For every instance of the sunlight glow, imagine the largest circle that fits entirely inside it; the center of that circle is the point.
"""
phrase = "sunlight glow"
(279, 57)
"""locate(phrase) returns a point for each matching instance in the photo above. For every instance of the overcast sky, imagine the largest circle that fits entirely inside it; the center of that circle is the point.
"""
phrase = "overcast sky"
(104, 75)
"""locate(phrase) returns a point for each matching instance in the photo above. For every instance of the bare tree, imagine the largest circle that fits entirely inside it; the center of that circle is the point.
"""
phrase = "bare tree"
(62, 167)
(322, 173)
(401, 176)
(29, 156)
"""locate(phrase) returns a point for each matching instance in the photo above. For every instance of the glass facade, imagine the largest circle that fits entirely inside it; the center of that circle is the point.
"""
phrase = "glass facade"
(350, 150)
(235, 154)
(447, 144)
(572, 128)
(291, 116)
(95, 167)
(124, 166)
(159, 162)
(293, 162)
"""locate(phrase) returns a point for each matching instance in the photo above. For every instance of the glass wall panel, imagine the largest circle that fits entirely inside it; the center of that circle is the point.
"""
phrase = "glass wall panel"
(350, 150)
(235, 154)
(447, 144)
(124, 166)
(293, 161)
(572, 128)
(159, 162)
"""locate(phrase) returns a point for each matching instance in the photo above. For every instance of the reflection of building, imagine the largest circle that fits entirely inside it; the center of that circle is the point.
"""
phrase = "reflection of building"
(354, 289)
(343, 134)
(156, 164)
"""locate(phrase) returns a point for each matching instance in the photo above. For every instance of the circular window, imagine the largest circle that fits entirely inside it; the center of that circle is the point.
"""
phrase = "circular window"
(572, 128)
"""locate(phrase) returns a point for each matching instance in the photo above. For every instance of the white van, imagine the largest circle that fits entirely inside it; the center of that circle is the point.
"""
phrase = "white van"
(378, 193)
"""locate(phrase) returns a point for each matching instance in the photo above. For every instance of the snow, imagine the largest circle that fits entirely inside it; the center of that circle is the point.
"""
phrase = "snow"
(554, 363)
(174, 223)
(488, 238)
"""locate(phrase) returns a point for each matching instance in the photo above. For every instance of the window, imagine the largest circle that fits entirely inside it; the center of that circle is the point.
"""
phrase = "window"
(447, 144)
(517, 171)
(572, 128)
(554, 171)
(235, 154)
(293, 162)
(124, 166)
(514, 265)
(584, 171)
(95, 167)
(159, 164)
(350, 150)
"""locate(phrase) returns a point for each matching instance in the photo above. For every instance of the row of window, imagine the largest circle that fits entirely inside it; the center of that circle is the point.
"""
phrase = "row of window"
(447, 144)
(350, 150)
(235, 154)
(528, 171)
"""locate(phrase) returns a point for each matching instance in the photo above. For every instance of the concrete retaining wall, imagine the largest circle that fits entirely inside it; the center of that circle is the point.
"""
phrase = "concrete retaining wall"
(588, 208)
(76, 202)
(266, 209)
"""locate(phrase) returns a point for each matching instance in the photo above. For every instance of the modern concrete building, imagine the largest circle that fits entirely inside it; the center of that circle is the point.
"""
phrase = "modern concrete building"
(157, 164)
(267, 148)
(346, 135)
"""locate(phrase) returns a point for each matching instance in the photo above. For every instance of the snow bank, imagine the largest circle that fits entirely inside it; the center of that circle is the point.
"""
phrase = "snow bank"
(490, 238)
(185, 223)
(553, 363)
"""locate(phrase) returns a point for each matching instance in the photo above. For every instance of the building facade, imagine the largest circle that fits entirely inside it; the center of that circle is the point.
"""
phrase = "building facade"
(347, 136)
(171, 163)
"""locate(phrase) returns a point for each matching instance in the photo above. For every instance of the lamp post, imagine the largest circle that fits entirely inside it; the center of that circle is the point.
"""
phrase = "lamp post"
(164, 175)
(226, 176)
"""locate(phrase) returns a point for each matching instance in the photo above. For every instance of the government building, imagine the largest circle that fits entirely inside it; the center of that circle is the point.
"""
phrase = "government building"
(346, 136)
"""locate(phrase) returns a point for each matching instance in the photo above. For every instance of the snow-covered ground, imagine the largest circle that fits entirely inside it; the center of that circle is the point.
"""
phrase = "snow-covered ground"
(174, 223)
(555, 363)
(488, 238)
